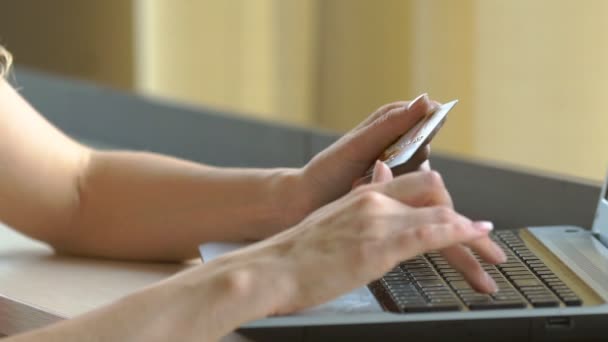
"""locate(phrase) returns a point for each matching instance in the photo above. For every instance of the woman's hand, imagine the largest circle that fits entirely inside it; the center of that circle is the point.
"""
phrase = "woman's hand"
(357, 239)
(342, 246)
(331, 173)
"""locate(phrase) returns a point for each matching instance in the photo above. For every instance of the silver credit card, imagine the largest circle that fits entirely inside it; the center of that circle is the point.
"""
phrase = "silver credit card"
(400, 152)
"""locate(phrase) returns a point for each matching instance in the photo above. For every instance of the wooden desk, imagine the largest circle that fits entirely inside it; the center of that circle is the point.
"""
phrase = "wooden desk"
(38, 288)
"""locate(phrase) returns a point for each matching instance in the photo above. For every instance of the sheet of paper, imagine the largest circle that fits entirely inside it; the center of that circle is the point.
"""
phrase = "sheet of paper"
(360, 300)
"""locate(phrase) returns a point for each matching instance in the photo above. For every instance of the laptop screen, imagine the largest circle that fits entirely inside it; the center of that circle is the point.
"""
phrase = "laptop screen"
(600, 224)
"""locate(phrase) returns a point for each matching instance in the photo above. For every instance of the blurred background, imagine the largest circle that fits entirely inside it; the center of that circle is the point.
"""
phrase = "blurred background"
(531, 75)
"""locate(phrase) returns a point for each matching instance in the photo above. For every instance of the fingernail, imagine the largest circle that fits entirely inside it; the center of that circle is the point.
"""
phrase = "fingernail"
(490, 283)
(376, 172)
(485, 226)
(381, 173)
(418, 101)
(502, 257)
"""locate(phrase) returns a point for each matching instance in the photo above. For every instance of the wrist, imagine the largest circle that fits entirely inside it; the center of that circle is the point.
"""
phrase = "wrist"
(221, 295)
(293, 199)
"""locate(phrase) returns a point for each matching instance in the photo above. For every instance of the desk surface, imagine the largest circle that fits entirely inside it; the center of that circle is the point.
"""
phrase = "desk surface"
(38, 287)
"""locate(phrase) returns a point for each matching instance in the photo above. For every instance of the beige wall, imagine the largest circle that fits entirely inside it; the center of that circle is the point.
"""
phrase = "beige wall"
(530, 75)
(321, 63)
(364, 59)
(251, 56)
(80, 38)
(443, 51)
(541, 76)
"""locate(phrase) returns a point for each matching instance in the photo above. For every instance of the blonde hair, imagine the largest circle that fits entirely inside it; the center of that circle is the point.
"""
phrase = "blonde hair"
(5, 61)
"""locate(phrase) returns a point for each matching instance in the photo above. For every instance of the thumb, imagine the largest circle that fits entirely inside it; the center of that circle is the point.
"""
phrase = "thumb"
(382, 173)
(371, 140)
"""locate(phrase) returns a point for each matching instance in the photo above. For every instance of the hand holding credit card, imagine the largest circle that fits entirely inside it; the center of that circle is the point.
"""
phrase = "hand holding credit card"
(397, 155)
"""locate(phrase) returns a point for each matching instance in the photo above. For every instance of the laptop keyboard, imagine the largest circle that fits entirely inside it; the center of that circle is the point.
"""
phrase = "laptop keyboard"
(428, 283)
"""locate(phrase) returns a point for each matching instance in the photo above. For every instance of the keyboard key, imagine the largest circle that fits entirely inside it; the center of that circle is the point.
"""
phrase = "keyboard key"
(403, 293)
(514, 268)
(538, 293)
(517, 273)
(543, 302)
(532, 288)
(503, 298)
(415, 262)
(460, 285)
(420, 276)
(465, 292)
(444, 297)
(564, 292)
(526, 282)
(572, 301)
(416, 266)
(505, 290)
(454, 278)
(431, 283)
(437, 293)
(431, 307)
(510, 304)
(440, 262)
(516, 263)
(428, 282)
(522, 277)
(401, 303)
(428, 278)
(421, 273)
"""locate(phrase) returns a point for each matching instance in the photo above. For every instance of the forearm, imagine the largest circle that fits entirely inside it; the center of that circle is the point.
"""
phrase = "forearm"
(202, 304)
(146, 206)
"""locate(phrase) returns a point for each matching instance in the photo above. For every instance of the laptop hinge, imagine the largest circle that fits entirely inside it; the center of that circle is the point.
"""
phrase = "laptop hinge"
(598, 237)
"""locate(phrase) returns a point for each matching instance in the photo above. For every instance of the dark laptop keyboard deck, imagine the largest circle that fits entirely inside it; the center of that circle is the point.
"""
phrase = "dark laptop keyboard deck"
(427, 283)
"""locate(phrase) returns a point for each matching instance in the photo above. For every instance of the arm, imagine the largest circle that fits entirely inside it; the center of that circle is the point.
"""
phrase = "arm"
(357, 239)
(126, 204)
(158, 207)
(202, 304)
(57, 190)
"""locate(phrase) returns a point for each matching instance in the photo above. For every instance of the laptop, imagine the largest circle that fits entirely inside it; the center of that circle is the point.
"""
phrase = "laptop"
(553, 286)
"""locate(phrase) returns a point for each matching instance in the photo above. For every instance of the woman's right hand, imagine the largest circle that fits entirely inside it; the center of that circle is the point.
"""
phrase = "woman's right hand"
(359, 238)
(339, 247)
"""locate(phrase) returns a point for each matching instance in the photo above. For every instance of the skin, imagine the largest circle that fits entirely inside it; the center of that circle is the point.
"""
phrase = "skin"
(144, 206)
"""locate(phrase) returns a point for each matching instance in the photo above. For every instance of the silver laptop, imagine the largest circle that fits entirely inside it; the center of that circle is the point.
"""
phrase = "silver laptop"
(554, 286)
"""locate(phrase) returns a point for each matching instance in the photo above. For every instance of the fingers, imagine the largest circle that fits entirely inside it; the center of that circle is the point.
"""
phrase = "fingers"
(422, 188)
(443, 220)
(456, 254)
(382, 173)
(424, 153)
(488, 250)
(461, 259)
(379, 131)
(415, 162)
(437, 236)
(382, 111)
(441, 228)
(426, 166)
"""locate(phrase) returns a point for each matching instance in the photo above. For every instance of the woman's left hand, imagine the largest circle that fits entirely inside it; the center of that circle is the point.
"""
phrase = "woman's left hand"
(332, 172)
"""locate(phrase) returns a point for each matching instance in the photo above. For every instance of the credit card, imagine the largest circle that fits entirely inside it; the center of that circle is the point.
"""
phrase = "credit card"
(403, 149)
